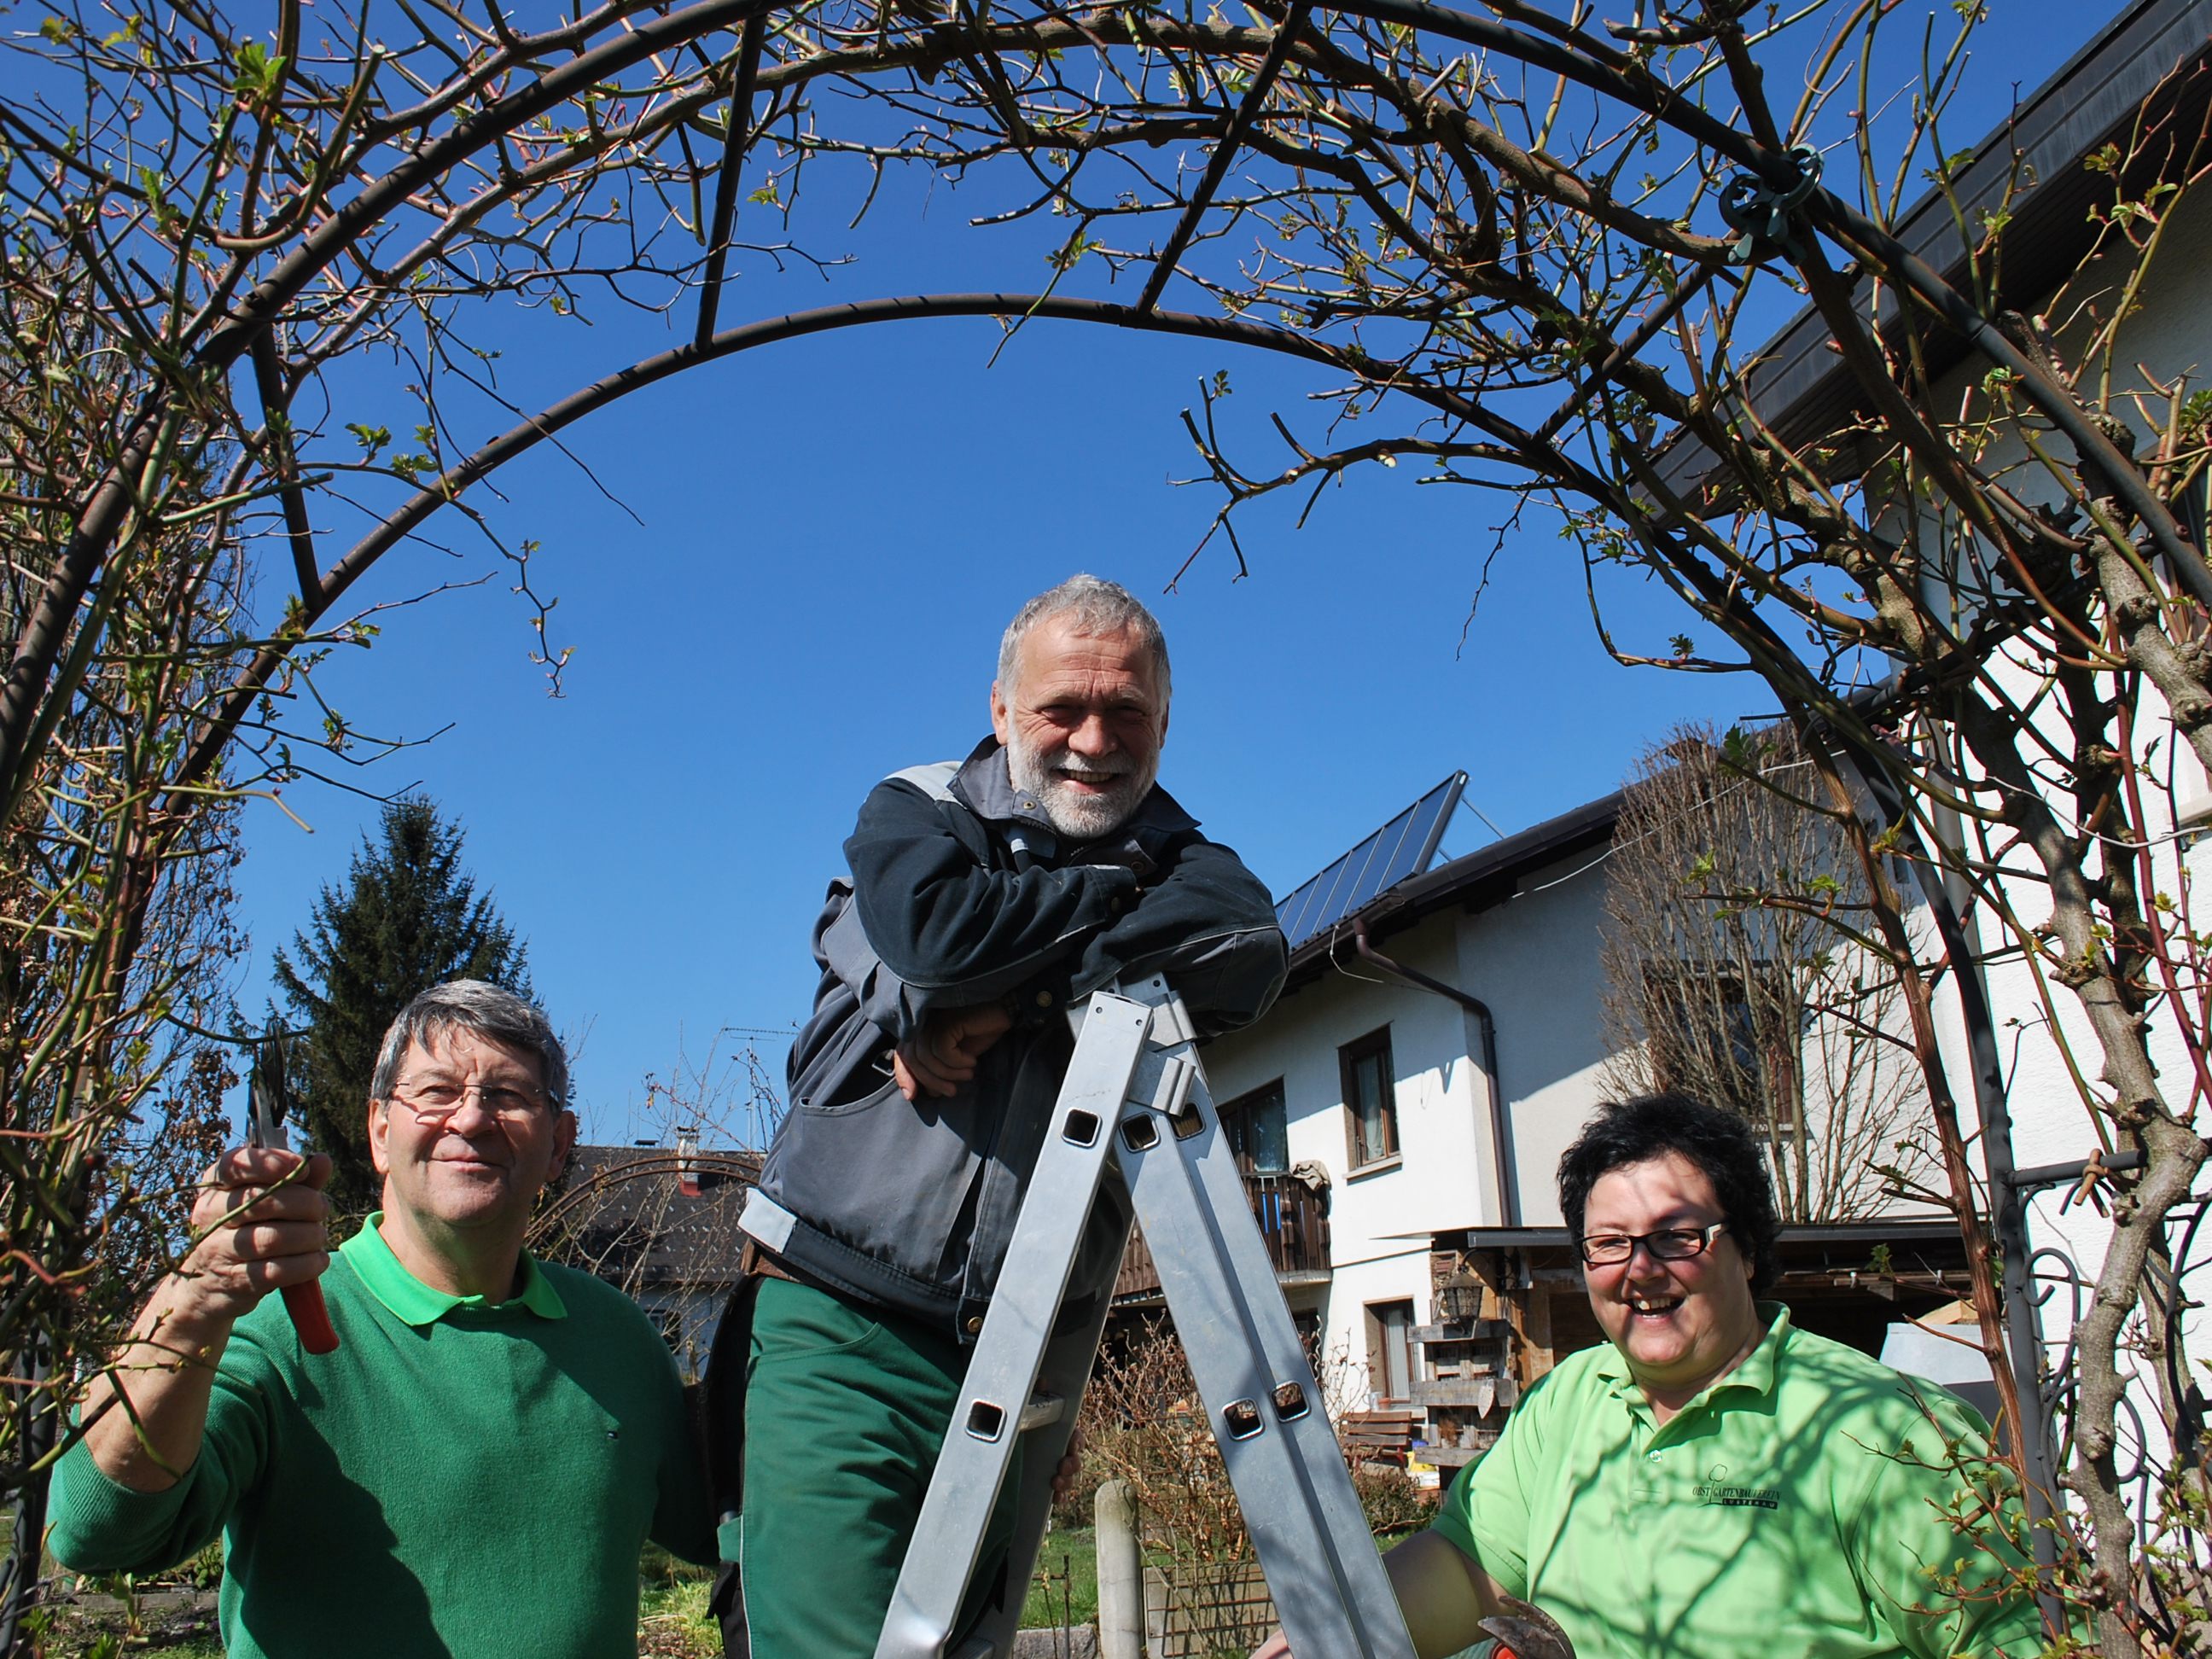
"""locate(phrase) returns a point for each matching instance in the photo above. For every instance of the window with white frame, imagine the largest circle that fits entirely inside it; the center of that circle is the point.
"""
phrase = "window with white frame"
(1371, 1102)
(1391, 1351)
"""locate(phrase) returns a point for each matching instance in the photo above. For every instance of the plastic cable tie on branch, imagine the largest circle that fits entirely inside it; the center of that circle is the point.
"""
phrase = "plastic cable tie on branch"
(1762, 216)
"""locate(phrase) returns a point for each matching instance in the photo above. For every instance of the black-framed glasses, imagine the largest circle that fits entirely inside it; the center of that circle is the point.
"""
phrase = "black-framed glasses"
(1668, 1244)
(435, 1100)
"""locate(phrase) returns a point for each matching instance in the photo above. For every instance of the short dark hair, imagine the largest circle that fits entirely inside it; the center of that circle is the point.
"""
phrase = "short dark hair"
(489, 1010)
(1721, 1144)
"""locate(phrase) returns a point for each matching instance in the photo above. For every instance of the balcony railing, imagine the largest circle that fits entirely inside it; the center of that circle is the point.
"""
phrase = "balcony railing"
(1293, 1222)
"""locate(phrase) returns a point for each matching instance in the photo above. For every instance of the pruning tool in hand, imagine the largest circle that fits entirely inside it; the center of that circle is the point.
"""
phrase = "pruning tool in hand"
(265, 1127)
(1524, 1631)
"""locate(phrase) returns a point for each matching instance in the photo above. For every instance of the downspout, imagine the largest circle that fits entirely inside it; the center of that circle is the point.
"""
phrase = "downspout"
(1509, 1212)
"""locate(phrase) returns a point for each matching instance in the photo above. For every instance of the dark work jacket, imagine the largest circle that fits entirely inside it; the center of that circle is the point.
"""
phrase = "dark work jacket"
(962, 894)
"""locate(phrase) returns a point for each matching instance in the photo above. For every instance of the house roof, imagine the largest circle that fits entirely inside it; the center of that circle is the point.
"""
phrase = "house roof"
(1800, 386)
(1471, 882)
(1923, 1255)
(1932, 1232)
(1914, 1263)
(621, 1214)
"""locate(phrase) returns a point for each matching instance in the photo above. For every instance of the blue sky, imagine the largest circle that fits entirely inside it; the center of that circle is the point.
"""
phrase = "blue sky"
(827, 537)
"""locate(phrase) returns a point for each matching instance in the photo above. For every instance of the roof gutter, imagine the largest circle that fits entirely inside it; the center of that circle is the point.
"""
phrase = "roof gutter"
(1508, 1211)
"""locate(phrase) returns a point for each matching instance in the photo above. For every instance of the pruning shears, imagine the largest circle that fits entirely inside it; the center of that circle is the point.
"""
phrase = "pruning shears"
(269, 1103)
(1527, 1632)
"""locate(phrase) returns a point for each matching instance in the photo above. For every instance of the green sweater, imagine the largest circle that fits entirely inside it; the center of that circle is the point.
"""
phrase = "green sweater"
(1802, 1505)
(456, 1480)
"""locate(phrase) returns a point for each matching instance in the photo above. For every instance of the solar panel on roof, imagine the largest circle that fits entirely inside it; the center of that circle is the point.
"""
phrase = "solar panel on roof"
(1401, 849)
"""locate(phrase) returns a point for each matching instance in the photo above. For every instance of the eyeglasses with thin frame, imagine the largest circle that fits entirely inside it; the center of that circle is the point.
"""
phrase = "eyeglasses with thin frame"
(1668, 1244)
(434, 1100)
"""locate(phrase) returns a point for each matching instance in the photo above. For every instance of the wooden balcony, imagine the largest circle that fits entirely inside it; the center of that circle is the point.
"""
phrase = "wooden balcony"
(1293, 1221)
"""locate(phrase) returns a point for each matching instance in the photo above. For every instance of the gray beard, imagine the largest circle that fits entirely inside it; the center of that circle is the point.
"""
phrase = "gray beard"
(1079, 818)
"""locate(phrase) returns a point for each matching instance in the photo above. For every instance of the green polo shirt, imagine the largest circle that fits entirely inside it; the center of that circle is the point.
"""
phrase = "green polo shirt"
(460, 1479)
(1802, 1505)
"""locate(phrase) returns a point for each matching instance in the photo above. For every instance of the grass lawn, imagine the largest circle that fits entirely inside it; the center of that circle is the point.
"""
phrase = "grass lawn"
(673, 1622)
(1066, 1587)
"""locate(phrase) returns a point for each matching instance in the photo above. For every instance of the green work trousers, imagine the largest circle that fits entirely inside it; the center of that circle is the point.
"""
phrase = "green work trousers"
(846, 1407)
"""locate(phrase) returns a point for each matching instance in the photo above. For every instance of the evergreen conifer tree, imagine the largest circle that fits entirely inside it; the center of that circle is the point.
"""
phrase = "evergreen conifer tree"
(408, 917)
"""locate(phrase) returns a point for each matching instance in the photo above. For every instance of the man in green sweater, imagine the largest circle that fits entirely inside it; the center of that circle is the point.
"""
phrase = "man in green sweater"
(473, 1472)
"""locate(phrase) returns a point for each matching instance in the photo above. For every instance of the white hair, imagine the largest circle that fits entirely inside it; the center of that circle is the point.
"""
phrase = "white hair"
(1096, 607)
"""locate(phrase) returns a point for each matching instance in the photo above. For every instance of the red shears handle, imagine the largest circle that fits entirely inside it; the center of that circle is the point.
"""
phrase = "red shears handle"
(311, 1318)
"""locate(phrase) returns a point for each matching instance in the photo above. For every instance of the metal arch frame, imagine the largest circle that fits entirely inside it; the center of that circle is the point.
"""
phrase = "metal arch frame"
(1577, 56)
(2022, 1323)
(2023, 1326)
(526, 434)
(1569, 52)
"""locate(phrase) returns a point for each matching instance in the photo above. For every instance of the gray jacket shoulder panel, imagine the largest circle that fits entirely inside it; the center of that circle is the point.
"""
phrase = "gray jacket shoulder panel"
(934, 780)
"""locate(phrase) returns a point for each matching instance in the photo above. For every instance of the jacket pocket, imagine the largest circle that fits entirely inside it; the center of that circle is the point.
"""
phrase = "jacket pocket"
(847, 1069)
(861, 1089)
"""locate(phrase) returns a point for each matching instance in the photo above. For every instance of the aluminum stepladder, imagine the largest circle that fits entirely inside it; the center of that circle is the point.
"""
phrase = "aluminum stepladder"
(1134, 1094)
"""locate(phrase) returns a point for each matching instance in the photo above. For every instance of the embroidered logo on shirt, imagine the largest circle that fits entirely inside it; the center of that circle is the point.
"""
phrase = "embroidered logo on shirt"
(1716, 1489)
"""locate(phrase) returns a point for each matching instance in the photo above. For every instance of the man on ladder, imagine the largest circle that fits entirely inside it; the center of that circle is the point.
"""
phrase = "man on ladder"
(986, 898)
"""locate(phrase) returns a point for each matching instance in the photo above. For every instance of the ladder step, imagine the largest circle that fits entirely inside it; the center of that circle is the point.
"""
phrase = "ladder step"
(1134, 1108)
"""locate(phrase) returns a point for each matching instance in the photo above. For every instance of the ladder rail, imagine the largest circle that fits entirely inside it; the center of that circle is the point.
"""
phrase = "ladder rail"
(1134, 1106)
(1065, 1373)
(1010, 1352)
(1262, 1400)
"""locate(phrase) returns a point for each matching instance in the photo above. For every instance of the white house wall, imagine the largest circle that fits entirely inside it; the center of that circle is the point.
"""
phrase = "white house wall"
(2168, 334)
(1533, 960)
(1378, 1220)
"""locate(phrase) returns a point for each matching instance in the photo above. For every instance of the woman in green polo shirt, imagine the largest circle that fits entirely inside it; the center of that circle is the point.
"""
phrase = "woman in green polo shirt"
(1711, 1482)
